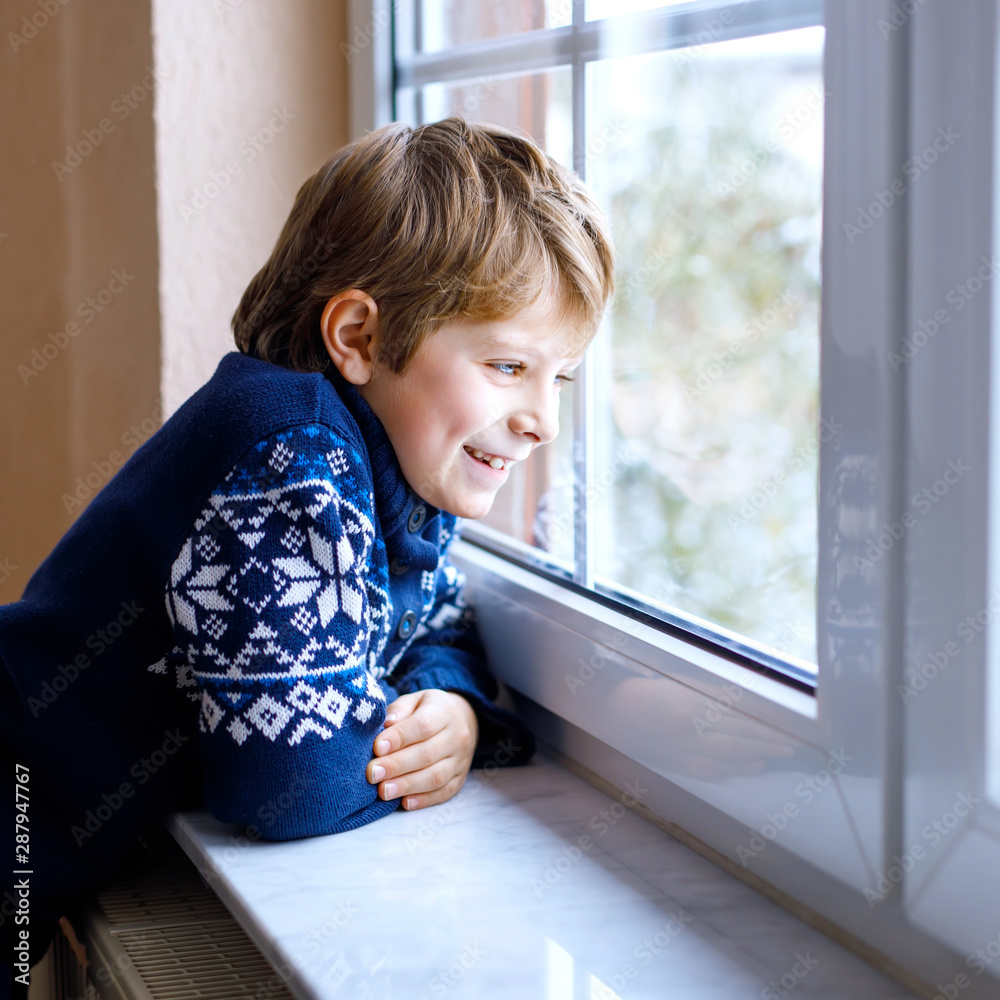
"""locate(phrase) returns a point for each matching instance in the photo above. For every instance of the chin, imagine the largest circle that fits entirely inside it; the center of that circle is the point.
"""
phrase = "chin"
(471, 510)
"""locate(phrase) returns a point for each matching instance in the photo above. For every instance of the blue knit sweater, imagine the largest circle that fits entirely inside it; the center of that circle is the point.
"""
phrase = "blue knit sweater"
(229, 618)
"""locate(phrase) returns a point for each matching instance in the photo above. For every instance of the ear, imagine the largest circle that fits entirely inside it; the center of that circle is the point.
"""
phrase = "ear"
(349, 326)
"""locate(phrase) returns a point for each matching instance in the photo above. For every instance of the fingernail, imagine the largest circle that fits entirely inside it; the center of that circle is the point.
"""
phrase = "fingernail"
(378, 772)
(391, 790)
(382, 746)
(390, 717)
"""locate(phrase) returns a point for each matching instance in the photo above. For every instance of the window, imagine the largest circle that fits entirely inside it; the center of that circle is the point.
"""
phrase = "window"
(839, 742)
(697, 417)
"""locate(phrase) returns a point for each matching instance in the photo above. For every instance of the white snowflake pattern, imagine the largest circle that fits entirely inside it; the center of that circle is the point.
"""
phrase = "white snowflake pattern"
(280, 457)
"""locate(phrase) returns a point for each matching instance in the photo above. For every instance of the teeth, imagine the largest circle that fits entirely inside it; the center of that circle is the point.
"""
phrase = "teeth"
(494, 461)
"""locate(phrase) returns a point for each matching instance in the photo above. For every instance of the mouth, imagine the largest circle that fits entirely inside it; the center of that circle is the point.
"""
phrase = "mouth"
(493, 461)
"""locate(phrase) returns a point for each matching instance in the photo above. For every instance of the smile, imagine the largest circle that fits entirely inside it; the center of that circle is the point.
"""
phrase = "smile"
(493, 461)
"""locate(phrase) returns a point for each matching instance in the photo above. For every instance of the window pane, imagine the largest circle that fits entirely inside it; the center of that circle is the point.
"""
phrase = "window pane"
(535, 505)
(709, 162)
(597, 9)
(456, 22)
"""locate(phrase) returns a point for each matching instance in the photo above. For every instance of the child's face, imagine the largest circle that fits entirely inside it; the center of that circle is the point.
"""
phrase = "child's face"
(487, 386)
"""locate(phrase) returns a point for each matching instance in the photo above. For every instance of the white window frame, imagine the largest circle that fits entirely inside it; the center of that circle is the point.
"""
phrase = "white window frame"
(954, 222)
(890, 82)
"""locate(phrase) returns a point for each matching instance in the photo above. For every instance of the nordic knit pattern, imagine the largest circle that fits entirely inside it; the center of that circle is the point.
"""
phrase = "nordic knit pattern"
(280, 607)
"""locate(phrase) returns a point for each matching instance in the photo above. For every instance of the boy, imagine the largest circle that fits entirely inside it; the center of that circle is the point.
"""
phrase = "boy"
(261, 599)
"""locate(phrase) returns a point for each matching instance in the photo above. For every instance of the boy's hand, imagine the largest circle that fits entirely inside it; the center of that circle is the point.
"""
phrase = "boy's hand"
(424, 753)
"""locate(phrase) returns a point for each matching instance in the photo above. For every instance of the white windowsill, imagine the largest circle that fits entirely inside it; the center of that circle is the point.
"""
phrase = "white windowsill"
(530, 883)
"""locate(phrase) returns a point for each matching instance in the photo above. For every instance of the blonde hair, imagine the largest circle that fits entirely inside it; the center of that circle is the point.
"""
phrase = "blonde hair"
(443, 221)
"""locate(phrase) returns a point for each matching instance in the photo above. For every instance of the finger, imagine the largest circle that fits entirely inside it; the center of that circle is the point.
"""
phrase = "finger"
(403, 707)
(415, 757)
(428, 779)
(416, 728)
(411, 802)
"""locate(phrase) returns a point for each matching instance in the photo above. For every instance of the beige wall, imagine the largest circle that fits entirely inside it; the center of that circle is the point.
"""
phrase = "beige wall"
(252, 100)
(155, 332)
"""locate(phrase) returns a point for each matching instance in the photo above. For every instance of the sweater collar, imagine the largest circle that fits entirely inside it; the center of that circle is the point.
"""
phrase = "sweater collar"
(395, 500)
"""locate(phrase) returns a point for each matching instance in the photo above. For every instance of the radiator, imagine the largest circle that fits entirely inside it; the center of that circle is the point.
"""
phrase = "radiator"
(158, 933)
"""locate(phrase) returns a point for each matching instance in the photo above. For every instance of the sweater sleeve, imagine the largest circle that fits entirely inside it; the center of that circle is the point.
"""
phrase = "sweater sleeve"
(447, 653)
(275, 615)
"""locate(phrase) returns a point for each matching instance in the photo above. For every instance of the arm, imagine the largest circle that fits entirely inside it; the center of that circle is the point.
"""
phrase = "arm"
(268, 597)
(445, 720)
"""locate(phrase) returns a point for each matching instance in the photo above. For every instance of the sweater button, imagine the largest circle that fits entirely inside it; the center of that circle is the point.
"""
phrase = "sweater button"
(406, 625)
(417, 517)
(397, 568)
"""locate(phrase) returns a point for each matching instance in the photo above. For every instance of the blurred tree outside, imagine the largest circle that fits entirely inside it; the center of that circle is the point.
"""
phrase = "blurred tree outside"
(712, 180)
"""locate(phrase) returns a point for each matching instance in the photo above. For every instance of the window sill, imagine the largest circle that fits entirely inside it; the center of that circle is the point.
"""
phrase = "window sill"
(530, 882)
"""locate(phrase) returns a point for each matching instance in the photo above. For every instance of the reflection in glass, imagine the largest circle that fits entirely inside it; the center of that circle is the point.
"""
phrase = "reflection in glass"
(709, 163)
(444, 23)
(535, 505)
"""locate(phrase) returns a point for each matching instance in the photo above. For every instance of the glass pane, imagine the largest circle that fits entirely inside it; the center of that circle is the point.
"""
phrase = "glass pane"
(444, 23)
(535, 505)
(709, 163)
(597, 9)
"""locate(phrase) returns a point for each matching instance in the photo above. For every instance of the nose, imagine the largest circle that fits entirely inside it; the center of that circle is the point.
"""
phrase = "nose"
(538, 417)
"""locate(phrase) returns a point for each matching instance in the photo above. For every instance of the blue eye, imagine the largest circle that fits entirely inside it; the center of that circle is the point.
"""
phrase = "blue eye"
(560, 379)
(507, 367)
